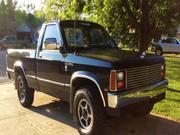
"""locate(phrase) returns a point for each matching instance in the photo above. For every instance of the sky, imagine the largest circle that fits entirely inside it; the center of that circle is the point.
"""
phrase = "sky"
(23, 3)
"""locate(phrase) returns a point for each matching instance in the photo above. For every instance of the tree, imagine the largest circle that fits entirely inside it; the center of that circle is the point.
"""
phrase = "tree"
(150, 18)
(7, 17)
(20, 17)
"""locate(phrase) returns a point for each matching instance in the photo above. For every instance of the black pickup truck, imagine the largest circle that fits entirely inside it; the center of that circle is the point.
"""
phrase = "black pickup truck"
(78, 62)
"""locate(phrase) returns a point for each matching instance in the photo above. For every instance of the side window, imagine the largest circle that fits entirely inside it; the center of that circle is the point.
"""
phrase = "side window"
(173, 41)
(75, 37)
(51, 40)
(97, 37)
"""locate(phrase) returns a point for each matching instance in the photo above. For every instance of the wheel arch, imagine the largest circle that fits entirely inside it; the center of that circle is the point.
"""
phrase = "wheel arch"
(19, 68)
(82, 78)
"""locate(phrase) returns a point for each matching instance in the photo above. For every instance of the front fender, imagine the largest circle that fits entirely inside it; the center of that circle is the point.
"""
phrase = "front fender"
(85, 75)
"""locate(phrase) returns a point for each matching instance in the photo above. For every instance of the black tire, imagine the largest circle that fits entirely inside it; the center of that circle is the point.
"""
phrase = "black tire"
(158, 51)
(25, 94)
(143, 111)
(88, 111)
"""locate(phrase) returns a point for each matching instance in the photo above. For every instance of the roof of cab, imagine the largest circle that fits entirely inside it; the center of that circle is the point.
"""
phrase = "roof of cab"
(78, 22)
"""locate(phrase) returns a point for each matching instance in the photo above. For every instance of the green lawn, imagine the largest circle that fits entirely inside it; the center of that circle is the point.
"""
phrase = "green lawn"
(170, 107)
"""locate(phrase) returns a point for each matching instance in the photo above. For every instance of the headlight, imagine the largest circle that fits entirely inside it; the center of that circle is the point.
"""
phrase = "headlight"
(120, 76)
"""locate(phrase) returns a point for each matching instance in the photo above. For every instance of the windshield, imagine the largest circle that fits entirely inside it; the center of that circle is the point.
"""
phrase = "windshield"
(87, 35)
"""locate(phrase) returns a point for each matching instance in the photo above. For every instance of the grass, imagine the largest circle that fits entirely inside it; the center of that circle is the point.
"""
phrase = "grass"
(170, 107)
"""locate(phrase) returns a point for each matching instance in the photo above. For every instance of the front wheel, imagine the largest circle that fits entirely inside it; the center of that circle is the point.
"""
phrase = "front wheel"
(25, 94)
(88, 111)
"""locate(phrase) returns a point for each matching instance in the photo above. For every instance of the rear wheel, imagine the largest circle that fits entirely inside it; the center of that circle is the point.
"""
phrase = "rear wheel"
(88, 111)
(25, 94)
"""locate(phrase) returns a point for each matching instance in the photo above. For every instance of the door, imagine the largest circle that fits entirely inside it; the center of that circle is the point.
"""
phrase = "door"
(50, 64)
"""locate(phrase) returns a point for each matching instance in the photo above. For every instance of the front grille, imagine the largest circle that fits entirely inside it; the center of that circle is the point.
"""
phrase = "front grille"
(143, 76)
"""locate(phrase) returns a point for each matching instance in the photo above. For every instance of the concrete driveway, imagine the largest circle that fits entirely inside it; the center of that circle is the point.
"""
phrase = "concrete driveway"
(50, 116)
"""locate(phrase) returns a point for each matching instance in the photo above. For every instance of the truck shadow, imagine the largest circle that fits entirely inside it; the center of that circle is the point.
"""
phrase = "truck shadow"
(127, 125)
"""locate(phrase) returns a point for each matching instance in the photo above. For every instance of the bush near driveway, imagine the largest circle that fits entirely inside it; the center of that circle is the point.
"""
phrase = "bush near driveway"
(170, 107)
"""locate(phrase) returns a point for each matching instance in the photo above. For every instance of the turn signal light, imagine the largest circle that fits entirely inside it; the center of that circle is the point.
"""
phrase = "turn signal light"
(117, 80)
(121, 84)
(113, 81)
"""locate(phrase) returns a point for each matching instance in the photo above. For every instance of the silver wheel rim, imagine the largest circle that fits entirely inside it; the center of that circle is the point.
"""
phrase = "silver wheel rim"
(21, 91)
(85, 114)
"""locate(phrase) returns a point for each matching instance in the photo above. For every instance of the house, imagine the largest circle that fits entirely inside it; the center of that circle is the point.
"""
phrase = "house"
(23, 32)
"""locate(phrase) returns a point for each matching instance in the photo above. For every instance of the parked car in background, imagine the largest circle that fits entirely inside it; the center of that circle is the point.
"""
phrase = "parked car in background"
(11, 41)
(168, 45)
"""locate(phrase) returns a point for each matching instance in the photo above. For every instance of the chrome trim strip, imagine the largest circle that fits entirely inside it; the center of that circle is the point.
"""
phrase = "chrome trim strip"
(10, 70)
(53, 82)
(31, 76)
(67, 85)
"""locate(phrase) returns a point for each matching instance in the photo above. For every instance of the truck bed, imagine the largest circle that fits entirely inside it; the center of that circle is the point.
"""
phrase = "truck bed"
(26, 56)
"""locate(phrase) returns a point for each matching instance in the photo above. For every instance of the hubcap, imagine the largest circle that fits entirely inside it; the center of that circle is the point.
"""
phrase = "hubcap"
(85, 114)
(21, 91)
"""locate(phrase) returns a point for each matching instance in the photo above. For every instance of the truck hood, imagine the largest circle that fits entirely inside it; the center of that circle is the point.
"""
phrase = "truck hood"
(122, 58)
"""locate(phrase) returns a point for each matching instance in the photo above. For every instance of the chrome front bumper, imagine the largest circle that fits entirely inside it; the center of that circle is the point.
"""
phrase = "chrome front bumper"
(137, 95)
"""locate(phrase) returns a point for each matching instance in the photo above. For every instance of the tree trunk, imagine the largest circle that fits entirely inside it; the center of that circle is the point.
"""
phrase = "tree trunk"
(144, 26)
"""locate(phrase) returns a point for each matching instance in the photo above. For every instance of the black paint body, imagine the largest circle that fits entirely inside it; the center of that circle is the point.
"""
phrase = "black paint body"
(51, 72)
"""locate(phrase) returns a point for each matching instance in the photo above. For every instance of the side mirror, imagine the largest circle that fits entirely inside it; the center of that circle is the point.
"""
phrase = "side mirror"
(51, 44)
(61, 50)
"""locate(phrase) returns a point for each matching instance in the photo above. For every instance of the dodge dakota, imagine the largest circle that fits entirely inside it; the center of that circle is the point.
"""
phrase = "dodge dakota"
(78, 62)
